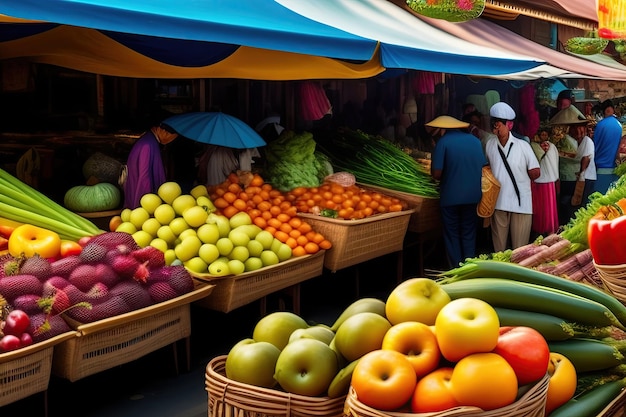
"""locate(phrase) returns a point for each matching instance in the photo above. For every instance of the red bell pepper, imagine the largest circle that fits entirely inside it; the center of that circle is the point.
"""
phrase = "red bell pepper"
(606, 240)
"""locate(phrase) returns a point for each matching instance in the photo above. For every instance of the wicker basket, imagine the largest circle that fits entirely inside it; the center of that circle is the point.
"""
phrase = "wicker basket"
(426, 214)
(491, 189)
(531, 404)
(234, 291)
(103, 344)
(26, 371)
(231, 398)
(356, 241)
(614, 279)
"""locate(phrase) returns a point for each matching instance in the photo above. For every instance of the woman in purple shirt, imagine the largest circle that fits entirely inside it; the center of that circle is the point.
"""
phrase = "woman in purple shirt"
(145, 170)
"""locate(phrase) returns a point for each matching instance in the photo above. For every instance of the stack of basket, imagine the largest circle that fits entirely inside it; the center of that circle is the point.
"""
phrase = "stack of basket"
(614, 279)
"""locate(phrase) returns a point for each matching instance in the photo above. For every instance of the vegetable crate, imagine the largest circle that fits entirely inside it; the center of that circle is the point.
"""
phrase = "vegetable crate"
(103, 344)
(26, 371)
(231, 398)
(532, 403)
(356, 241)
(234, 291)
(426, 215)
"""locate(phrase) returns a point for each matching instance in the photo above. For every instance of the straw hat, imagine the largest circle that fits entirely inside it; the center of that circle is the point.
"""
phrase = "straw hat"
(447, 122)
(568, 116)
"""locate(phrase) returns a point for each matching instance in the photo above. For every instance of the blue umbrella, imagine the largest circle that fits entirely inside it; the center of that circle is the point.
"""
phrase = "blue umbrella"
(215, 128)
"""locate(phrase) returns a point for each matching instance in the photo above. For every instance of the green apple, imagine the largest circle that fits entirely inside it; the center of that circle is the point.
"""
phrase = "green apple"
(276, 328)
(160, 244)
(188, 248)
(239, 253)
(164, 213)
(224, 246)
(195, 216)
(253, 263)
(253, 363)
(269, 258)
(219, 268)
(170, 256)
(182, 203)
(321, 333)
(255, 248)
(151, 226)
(187, 233)
(236, 267)
(250, 229)
(284, 252)
(126, 227)
(208, 252)
(306, 367)
(206, 203)
(165, 232)
(168, 191)
(150, 202)
(238, 237)
(142, 238)
(265, 238)
(239, 219)
(416, 299)
(125, 214)
(199, 191)
(275, 245)
(178, 225)
(197, 264)
(138, 216)
(361, 334)
(222, 223)
(208, 233)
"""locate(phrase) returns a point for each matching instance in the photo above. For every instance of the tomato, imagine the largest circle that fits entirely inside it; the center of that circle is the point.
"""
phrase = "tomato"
(526, 350)
(418, 342)
(563, 380)
(69, 248)
(29, 240)
(384, 379)
(433, 392)
(602, 235)
(484, 380)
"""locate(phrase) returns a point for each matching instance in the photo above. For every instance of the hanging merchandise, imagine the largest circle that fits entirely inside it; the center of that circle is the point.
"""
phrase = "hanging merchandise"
(587, 45)
(314, 103)
(450, 10)
(611, 19)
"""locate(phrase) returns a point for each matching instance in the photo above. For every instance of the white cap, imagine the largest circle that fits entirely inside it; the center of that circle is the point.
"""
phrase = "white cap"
(502, 111)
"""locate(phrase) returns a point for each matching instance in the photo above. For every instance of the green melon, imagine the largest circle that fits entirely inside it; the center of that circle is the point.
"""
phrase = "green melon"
(91, 198)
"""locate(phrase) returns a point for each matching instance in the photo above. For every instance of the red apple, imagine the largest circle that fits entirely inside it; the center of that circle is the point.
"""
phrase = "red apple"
(526, 350)
(16, 323)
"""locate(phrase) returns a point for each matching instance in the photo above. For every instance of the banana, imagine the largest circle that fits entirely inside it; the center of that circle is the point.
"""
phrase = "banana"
(341, 382)
(373, 305)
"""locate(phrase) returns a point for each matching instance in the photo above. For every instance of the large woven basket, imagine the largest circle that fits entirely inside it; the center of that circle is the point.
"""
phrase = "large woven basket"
(491, 189)
(234, 291)
(426, 214)
(614, 279)
(228, 398)
(26, 371)
(357, 241)
(530, 404)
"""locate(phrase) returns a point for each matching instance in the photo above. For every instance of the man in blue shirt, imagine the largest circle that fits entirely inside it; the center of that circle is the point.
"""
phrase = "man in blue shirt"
(606, 138)
(457, 161)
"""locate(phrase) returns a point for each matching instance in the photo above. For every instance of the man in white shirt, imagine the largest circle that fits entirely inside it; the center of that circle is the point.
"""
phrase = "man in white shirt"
(514, 164)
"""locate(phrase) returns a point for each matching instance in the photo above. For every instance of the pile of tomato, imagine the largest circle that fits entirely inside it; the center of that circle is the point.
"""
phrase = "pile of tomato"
(270, 209)
(352, 202)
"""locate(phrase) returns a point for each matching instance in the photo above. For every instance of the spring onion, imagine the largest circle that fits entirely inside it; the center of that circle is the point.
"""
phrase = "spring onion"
(22, 203)
(376, 161)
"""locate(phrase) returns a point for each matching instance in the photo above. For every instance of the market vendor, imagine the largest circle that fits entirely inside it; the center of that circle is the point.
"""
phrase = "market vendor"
(144, 171)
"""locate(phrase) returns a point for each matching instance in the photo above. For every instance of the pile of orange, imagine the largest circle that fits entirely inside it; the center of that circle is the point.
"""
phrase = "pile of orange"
(269, 209)
(352, 202)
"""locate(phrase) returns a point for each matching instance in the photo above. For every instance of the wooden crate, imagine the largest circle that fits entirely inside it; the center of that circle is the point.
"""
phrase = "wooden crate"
(356, 241)
(231, 398)
(426, 213)
(234, 291)
(103, 344)
(26, 371)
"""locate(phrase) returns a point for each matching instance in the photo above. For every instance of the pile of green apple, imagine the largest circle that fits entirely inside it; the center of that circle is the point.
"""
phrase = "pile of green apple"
(186, 228)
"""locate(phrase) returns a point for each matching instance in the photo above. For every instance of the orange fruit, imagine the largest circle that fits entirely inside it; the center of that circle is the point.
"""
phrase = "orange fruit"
(311, 248)
(304, 228)
(230, 197)
(283, 217)
(220, 203)
(302, 240)
(240, 205)
(230, 211)
(260, 221)
(325, 244)
(298, 251)
(282, 236)
(291, 242)
(285, 228)
(274, 223)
